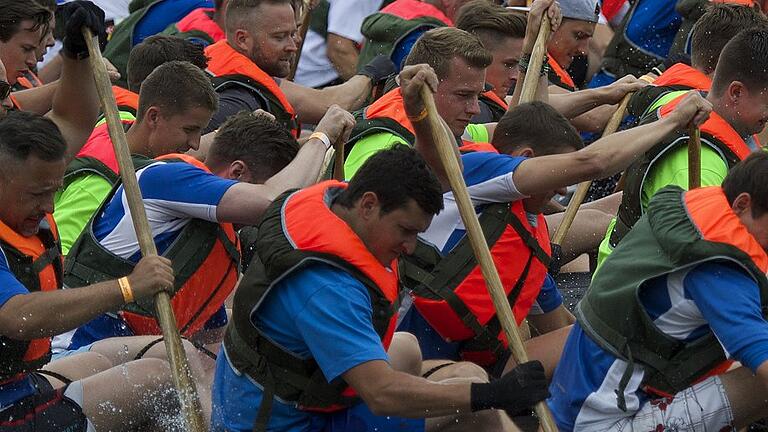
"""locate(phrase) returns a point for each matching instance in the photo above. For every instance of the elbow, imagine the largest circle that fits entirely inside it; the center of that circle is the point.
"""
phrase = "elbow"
(594, 165)
(382, 401)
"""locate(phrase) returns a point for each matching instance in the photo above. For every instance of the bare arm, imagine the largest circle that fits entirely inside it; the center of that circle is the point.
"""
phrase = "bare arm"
(311, 104)
(46, 314)
(37, 100)
(389, 392)
(342, 53)
(608, 155)
(244, 203)
(76, 104)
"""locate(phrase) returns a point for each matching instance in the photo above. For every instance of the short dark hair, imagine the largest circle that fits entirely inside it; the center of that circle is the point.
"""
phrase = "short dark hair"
(24, 134)
(239, 11)
(439, 46)
(177, 86)
(48, 4)
(536, 125)
(263, 144)
(750, 176)
(490, 22)
(396, 176)
(217, 4)
(744, 59)
(13, 12)
(158, 49)
(715, 28)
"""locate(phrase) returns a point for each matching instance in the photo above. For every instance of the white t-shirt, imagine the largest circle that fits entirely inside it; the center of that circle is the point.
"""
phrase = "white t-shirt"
(344, 19)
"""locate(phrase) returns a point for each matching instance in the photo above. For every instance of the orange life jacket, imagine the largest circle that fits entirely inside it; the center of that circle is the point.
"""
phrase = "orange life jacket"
(297, 229)
(37, 263)
(205, 257)
(495, 104)
(201, 20)
(450, 291)
(97, 156)
(230, 68)
(680, 74)
(29, 80)
(559, 76)
(414, 9)
(126, 99)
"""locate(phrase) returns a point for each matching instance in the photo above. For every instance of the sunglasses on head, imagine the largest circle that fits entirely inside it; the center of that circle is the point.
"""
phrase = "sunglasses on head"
(5, 90)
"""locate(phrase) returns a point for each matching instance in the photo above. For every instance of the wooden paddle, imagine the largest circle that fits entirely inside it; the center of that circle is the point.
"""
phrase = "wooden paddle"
(190, 404)
(581, 191)
(531, 81)
(445, 147)
(694, 158)
(306, 16)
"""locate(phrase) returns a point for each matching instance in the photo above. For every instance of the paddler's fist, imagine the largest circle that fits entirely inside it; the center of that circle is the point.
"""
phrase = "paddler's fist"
(412, 79)
(337, 124)
(538, 9)
(693, 110)
(150, 276)
(76, 15)
(615, 92)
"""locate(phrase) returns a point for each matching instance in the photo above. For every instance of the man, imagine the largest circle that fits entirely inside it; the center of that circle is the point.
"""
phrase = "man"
(459, 60)
(146, 57)
(453, 316)
(393, 31)
(33, 154)
(191, 211)
(175, 104)
(739, 100)
(711, 32)
(258, 52)
(203, 26)
(332, 46)
(72, 104)
(332, 308)
(501, 32)
(571, 40)
(681, 294)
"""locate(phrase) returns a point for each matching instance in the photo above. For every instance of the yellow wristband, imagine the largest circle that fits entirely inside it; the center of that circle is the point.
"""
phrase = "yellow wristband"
(419, 117)
(125, 288)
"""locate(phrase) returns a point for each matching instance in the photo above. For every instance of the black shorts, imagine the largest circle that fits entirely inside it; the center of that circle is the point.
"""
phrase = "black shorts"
(47, 410)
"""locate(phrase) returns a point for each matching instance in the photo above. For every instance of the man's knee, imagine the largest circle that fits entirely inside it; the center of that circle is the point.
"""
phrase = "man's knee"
(460, 372)
(405, 354)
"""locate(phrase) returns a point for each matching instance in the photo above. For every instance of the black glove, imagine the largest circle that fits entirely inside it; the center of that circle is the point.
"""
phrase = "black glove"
(521, 388)
(76, 15)
(379, 69)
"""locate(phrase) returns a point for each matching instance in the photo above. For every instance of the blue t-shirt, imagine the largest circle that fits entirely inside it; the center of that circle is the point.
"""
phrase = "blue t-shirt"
(321, 312)
(685, 305)
(10, 287)
(174, 194)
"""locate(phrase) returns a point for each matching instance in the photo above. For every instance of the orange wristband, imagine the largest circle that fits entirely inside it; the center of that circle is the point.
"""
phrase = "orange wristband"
(125, 288)
(419, 117)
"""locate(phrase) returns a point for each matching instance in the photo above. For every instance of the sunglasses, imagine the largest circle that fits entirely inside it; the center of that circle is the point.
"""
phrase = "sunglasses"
(5, 90)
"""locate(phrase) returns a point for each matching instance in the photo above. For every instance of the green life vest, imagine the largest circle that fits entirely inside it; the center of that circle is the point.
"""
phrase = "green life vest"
(384, 31)
(680, 230)
(715, 133)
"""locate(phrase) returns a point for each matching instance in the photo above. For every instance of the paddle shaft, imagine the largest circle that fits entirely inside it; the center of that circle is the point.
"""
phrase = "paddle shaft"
(306, 16)
(531, 81)
(581, 191)
(338, 165)
(694, 158)
(445, 147)
(190, 405)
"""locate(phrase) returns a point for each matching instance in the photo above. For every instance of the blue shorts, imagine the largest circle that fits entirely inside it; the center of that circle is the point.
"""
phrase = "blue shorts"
(68, 353)
(359, 418)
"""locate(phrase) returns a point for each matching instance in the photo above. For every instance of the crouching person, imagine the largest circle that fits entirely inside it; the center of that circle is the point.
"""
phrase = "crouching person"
(33, 307)
(315, 313)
